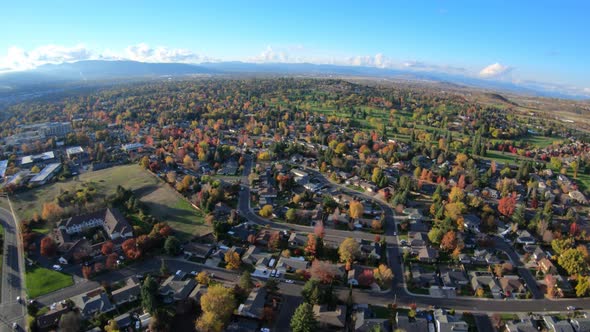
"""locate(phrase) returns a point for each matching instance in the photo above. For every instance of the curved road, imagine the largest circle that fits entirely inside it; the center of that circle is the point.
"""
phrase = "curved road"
(12, 274)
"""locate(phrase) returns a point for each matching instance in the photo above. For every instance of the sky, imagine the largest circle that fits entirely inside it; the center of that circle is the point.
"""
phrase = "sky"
(538, 42)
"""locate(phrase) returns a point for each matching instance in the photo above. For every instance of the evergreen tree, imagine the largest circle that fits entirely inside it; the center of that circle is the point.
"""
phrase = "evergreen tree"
(303, 319)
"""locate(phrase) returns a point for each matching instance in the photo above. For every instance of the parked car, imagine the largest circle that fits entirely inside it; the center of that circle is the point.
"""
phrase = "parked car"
(57, 267)
(289, 281)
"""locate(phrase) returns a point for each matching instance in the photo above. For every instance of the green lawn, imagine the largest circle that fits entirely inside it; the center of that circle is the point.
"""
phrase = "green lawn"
(162, 201)
(41, 281)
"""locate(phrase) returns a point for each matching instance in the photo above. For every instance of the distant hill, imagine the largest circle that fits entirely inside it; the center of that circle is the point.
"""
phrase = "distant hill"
(70, 74)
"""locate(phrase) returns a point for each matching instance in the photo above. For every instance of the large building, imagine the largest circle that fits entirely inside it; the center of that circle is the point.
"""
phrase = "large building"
(45, 175)
(115, 225)
(39, 132)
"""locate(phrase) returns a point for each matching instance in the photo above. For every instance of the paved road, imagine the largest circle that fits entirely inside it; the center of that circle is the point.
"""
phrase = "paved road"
(12, 274)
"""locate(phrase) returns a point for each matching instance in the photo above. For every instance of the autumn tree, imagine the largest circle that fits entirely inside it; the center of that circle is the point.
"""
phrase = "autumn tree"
(507, 205)
(232, 260)
(145, 162)
(583, 286)
(366, 278)
(349, 249)
(130, 249)
(266, 211)
(107, 248)
(572, 260)
(202, 278)
(217, 304)
(51, 212)
(48, 247)
(111, 261)
(456, 195)
(561, 245)
(383, 274)
(449, 241)
(324, 271)
(86, 271)
(356, 209)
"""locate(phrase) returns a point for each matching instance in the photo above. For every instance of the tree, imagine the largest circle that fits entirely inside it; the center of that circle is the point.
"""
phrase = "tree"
(456, 195)
(383, 274)
(202, 278)
(266, 211)
(324, 271)
(449, 241)
(572, 260)
(35, 169)
(48, 247)
(366, 278)
(435, 235)
(107, 248)
(507, 205)
(291, 215)
(304, 319)
(149, 290)
(232, 260)
(111, 261)
(70, 322)
(348, 250)
(575, 167)
(479, 292)
(356, 209)
(561, 245)
(112, 326)
(551, 284)
(51, 211)
(163, 268)
(218, 305)
(319, 230)
(310, 291)
(130, 249)
(86, 271)
(145, 162)
(583, 286)
(273, 240)
(245, 281)
(172, 246)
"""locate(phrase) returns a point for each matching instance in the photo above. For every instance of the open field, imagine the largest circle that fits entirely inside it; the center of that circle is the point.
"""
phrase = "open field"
(41, 281)
(163, 202)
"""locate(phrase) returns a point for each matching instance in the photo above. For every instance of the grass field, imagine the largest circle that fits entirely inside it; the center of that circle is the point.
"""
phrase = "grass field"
(41, 281)
(163, 202)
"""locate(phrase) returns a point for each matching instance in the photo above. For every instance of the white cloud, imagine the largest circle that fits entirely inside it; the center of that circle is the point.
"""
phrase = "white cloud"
(18, 59)
(271, 55)
(144, 53)
(494, 71)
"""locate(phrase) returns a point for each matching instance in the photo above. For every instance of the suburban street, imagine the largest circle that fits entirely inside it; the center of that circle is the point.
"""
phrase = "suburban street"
(12, 274)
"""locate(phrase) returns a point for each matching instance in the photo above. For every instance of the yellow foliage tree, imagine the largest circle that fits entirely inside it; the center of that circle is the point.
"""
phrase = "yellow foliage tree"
(356, 209)
(348, 250)
(266, 211)
(232, 260)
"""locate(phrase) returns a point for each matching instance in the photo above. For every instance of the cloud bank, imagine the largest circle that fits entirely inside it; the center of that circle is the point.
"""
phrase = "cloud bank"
(495, 70)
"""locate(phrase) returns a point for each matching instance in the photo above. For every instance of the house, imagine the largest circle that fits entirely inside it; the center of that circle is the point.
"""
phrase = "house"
(511, 286)
(557, 325)
(472, 222)
(197, 292)
(408, 324)
(330, 318)
(417, 239)
(291, 264)
(46, 174)
(547, 266)
(198, 250)
(486, 280)
(255, 256)
(177, 289)
(524, 237)
(49, 320)
(454, 278)
(448, 323)
(525, 325)
(428, 255)
(253, 307)
(128, 293)
(93, 302)
(124, 321)
(74, 151)
(110, 219)
(581, 324)
(422, 278)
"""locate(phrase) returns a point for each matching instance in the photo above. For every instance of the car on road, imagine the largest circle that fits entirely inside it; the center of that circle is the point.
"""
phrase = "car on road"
(394, 233)
(18, 299)
(289, 281)
(193, 273)
(571, 308)
(15, 326)
(57, 267)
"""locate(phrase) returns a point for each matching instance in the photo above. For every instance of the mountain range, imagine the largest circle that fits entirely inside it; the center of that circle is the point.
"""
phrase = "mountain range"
(103, 70)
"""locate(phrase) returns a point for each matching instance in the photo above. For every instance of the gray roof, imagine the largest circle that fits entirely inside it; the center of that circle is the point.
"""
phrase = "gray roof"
(123, 294)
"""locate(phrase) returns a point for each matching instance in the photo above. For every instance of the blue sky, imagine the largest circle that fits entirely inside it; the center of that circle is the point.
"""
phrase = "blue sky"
(542, 41)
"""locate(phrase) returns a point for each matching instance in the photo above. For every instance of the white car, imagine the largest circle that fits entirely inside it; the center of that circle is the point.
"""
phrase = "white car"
(57, 267)
(289, 281)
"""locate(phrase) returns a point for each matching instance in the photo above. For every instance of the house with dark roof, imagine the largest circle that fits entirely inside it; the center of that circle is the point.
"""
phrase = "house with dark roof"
(128, 293)
(174, 288)
(198, 250)
(49, 320)
(428, 255)
(93, 302)
(330, 318)
(253, 307)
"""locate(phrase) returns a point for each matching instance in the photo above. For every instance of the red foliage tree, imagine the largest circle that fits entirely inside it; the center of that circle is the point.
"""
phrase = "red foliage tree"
(48, 247)
(130, 249)
(324, 271)
(461, 181)
(574, 229)
(449, 241)
(86, 271)
(111, 261)
(310, 249)
(366, 278)
(507, 205)
(107, 248)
